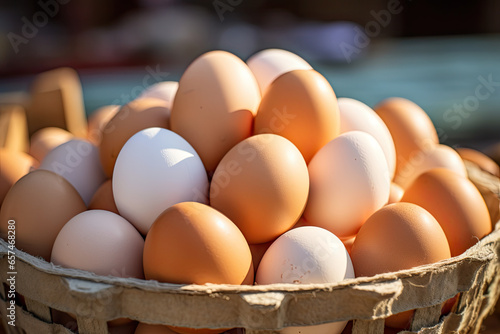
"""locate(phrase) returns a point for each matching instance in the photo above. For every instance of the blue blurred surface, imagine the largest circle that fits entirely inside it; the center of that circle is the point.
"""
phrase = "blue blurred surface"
(436, 73)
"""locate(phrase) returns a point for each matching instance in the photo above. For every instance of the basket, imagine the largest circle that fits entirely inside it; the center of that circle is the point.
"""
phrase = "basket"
(474, 275)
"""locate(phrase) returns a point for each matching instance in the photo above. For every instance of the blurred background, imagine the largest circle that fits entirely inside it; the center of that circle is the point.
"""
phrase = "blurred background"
(443, 55)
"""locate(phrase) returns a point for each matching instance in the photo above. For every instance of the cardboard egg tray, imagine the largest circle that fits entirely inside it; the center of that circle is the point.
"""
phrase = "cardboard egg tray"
(474, 275)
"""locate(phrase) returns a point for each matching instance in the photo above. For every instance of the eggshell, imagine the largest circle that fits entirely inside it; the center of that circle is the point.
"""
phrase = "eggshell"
(98, 120)
(456, 204)
(301, 106)
(135, 116)
(267, 65)
(155, 169)
(164, 90)
(78, 162)
(45, 140)
(101, 242)
(215, 104)
(398, 236)
(395, 194)
(103, 198)
(191, 242)
(349, 180)
(433, 157)
(355, 115)
(13, 166)
(40, 203)
(306, 254)
(411, 128)
(482, 160)
(261, 184)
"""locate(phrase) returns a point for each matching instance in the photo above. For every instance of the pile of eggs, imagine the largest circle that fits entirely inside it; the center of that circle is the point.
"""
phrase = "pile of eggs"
(244, 173)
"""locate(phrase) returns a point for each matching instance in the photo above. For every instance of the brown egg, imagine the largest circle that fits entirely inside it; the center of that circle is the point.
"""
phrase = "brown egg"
(45, 140)
(98, 120)
(395, 194)
(191, 242)
(103, 198)
(133, 117)
(215, 104)
(262, 185)
(398, 236)
(456, 204)
(482, 160)
(301, 106)
(13, 166)
(410, 127)
(40, 203)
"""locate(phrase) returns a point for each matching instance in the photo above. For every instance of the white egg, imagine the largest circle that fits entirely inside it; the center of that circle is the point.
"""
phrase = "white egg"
(269, 64)
(164, 90)
(302, 255)
(355, 115)
(349, 181)
(155, 169)
(78, 162)
(436, 156)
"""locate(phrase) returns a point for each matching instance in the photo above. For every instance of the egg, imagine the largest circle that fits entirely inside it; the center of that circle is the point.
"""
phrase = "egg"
(301, 106)
(46, 139)
(101, 242)
(267, 65)
(78, 162)
(482, 160)
(103, 198)
(455, 203)
(410, 127)
(191, 242)
(306, 254)
(434, 157)
(164, 90)
(98, 120)
(13, 166)
(215, 105)
(135, 116)
(262, 185)
(355, 115)
(398, 236)
(349, 181)
(40, 203)
(395, 194)
(155, 169)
